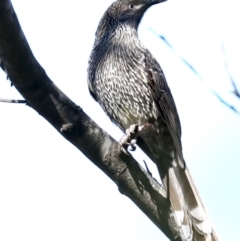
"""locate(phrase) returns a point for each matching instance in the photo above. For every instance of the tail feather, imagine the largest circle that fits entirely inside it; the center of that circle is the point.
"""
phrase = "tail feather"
(200, 237)
(175, 193)
(203, 227)
(177, 203)
(191, 197)
(190, 214)
(185, 229)
(206, 237)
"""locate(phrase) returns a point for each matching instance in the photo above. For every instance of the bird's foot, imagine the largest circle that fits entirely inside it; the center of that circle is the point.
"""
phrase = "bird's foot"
(130, 138)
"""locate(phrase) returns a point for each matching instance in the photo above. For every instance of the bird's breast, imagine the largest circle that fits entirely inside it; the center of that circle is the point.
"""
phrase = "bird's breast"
(122, 88)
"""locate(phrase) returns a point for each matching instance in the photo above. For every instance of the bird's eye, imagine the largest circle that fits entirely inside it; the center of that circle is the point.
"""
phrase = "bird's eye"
(131, 6)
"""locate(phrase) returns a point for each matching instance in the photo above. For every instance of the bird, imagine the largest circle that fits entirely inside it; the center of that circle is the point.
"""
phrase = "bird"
(130, 86)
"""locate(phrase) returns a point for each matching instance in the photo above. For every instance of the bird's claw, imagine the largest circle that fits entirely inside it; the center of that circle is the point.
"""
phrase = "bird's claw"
(130, 138)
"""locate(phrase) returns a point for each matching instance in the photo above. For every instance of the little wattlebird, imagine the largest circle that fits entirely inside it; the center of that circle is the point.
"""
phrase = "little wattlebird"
(129, 84)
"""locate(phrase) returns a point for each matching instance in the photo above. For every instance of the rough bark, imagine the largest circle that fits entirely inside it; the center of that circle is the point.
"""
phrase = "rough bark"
(71, 122)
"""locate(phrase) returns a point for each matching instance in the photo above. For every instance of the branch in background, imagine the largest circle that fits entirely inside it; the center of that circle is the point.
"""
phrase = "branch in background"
(224, 102)
(13, 101)
(236, 92)
(235, 89)
(72, 123)
(180, 57)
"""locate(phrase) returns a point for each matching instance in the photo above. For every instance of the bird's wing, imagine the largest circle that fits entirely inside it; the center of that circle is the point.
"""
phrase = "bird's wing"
(164, 101)
(186, 202)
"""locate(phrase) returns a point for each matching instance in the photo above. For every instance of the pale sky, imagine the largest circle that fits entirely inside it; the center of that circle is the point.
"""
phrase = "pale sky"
(50, 191)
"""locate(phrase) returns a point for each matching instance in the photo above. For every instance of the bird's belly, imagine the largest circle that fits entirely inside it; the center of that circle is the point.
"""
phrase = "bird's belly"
(126, 102)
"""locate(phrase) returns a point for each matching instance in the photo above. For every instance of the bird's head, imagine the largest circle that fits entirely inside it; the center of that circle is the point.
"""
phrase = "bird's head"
(124, 12)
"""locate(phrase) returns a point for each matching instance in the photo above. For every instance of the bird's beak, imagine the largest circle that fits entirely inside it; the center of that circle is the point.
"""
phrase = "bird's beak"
(155, 1)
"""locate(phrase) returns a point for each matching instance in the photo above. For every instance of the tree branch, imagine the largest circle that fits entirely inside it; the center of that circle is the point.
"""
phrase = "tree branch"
(13, 101)
(71, 122)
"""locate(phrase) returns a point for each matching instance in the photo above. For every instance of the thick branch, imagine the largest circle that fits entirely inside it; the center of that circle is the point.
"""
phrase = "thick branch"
(71, 122)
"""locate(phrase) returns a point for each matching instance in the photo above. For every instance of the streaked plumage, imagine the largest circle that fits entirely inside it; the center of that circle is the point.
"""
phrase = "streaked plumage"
(130, 86)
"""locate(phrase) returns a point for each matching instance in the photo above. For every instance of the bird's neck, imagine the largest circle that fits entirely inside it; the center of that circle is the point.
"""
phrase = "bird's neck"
(110, 30)
(125, 37)
(125, 32)
(121, 38)
(114, 44)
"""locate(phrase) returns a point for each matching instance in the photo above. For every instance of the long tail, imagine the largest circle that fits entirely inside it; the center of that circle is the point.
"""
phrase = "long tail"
(190, 213)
